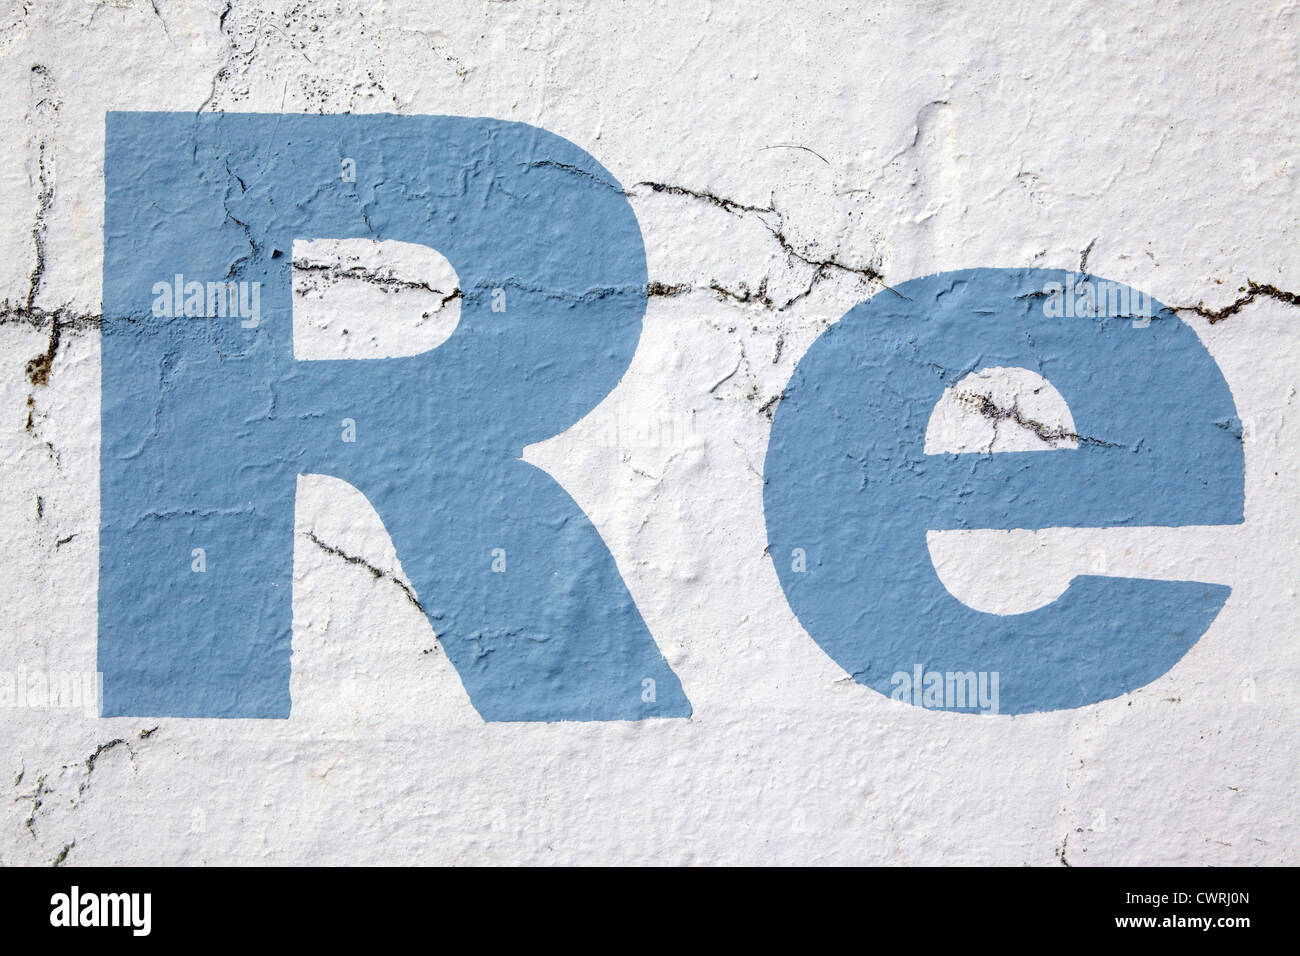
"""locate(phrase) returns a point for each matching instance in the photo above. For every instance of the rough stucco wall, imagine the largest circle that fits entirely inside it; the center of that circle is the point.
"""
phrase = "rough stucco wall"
(808, 154)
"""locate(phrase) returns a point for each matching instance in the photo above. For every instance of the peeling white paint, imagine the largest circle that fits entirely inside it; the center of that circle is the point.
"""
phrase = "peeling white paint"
(808, 156)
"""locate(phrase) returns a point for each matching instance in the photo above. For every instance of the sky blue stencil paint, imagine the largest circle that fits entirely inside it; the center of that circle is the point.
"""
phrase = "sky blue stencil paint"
(848, 481)
(207, 422)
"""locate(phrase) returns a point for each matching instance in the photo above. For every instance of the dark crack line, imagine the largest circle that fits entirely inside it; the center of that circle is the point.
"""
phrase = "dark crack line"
(797, 146)
(664, 290)
(768, 408)
(99, 752)
(821, 267)
(730, 205)
(37, 317)
(371, 277)
(37, 798)
(745, 296)
(38, 369)
(862, 272)
(1047, 433)
(44, 199)
(575, 170)
(91, 761)
(377, 573)
(166, 29)
(1083, 259)
(1253, 291)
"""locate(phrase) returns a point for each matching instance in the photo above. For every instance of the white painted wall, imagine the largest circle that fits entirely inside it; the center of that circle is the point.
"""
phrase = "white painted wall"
(904, 138)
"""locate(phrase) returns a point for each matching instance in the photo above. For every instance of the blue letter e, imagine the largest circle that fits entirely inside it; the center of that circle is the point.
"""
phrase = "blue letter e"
(849, 482)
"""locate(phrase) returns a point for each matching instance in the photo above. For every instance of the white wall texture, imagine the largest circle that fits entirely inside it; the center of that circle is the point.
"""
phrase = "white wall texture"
(1158, 140)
